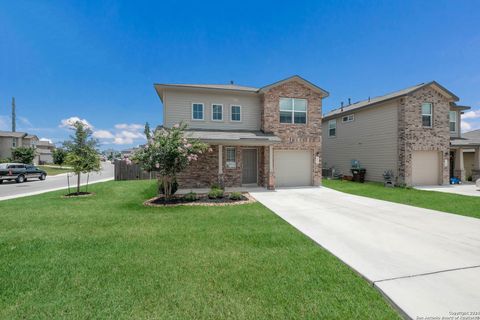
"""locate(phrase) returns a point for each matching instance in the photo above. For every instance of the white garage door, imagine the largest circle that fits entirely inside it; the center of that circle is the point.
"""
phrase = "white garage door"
(293, 168)
(425, 168)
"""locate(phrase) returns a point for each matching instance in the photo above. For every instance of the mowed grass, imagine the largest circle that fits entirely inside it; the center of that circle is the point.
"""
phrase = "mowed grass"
(53, 171)
(447, 202)
(109, 257)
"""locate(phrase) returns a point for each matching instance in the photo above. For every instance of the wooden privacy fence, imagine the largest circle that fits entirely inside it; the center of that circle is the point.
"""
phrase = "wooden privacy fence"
(132, 171)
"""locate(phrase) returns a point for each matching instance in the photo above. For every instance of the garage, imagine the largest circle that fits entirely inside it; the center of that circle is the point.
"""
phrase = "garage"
(293, 168)
(425, 168)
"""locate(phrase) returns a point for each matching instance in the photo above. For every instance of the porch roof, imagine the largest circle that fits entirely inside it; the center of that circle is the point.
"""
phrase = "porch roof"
(227, 137)
(465, 142)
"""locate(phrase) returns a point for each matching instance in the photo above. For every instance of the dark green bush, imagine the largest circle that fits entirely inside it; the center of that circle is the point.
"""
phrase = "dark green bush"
(236, 196)
(191, 196)
(215, 193)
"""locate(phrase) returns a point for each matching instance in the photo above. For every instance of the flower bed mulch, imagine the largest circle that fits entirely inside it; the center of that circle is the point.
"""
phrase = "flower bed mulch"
(203, 200)
(79, 194)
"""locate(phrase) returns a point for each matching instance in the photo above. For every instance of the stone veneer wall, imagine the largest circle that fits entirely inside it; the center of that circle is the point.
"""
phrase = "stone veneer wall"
(412, 136)
(294, 136)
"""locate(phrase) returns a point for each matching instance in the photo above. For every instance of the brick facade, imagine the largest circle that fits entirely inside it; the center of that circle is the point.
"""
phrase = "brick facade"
(294, 136)
(412, 136)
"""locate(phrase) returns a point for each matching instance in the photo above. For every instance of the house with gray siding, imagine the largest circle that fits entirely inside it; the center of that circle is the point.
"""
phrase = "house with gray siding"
(269, 136)
(415, 132)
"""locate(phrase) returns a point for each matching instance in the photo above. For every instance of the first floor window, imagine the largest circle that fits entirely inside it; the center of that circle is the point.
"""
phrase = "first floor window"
(14, 142)
(197, 111)
(293, 110)
(453, 121)
(217, 112)
(236, 113)
(332, 128)
(427, 111)
(231, 158)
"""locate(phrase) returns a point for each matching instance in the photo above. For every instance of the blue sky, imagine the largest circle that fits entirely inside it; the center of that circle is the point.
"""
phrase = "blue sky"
(97, 60)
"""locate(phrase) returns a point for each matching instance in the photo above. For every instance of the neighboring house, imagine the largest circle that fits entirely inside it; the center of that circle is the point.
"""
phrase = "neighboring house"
(468, 147)
(44, 152)
(9, 140)
(408, 131)
(269, 136)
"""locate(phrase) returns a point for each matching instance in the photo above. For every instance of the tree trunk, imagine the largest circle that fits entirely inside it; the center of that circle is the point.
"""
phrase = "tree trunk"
(78, 183)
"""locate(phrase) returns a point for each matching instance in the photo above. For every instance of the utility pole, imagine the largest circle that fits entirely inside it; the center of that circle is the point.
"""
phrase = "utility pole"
(13, 115)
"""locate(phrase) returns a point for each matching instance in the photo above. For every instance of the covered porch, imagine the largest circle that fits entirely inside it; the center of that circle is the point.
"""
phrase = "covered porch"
(238, 159)
(465, 159)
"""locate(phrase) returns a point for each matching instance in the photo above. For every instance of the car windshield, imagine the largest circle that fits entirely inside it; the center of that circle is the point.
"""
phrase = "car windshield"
(3, 166)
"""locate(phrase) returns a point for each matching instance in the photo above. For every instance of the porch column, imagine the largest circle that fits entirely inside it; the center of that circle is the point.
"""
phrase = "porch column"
(271, 171)
(459, 171)
(476, 165)
(221, 181)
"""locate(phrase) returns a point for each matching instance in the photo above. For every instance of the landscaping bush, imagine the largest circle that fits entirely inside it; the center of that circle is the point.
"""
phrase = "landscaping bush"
(215, 186)
(236, 196)
(191, 196)
(4, 160)
(23, 154)
(59, 155)
(215, 193)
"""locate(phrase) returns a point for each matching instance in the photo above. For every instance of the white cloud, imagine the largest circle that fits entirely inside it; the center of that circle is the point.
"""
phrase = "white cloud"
(103, 134)
(46, 139)
(24, 121)
(466, 126)
(123, 134)
(68, 123)
(130, 127)
(474, 114)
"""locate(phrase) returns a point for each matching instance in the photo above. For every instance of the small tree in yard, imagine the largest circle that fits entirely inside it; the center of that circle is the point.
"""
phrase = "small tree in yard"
(59, 156)
(168, 152)
(23, 154)
(81, 152)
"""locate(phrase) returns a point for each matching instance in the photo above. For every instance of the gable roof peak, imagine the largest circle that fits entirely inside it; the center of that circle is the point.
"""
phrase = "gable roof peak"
(299, 79)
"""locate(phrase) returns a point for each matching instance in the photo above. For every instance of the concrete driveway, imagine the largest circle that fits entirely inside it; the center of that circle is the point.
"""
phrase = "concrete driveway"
(427, 262)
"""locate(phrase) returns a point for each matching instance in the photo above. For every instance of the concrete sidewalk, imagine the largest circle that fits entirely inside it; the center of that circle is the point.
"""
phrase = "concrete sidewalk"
(426, 262)
(465, 189)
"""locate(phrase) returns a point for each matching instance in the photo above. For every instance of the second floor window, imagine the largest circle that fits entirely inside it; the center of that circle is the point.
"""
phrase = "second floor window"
(293, 110)
(14, 142)
(197, 111)
(453, 121)
(217, 112)
(332, 128)
(236, 113)
(427, 112)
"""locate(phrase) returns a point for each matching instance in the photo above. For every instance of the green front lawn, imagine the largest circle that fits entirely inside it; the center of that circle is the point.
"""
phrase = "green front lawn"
(52, 171)
(107, 256)
(447, 202)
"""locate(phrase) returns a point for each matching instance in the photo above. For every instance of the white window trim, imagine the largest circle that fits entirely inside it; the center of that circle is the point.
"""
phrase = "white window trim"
(230, 164)
(211, 117)
(431, 114)
(235, 105)
(348, 118)
(456, 121)
(328, 128)
(293, 111)
(203, 111)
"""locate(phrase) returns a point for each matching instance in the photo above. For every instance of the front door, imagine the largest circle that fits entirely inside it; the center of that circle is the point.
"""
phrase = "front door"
(249, 169)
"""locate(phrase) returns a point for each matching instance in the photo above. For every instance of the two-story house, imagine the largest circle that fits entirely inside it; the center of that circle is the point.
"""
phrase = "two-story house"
(415, 132)
(10, 139)
(269, 136)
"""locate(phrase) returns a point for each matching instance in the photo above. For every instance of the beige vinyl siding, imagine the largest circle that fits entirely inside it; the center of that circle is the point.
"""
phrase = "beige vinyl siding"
(178, 107)
(370, 138)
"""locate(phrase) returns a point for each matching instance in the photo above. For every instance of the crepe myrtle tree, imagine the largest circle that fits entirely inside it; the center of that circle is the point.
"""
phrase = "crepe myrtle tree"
(168, 152)
(81, 151)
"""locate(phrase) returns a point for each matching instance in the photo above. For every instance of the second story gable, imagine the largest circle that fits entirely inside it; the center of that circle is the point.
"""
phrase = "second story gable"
(290, 105)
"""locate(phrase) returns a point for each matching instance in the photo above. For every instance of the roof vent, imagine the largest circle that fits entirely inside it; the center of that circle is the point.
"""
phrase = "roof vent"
(368, 99)
(231, 81)
(349, 101)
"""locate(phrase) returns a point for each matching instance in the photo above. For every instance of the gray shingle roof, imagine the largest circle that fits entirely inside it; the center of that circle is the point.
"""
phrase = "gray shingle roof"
(12, 134)
(471, 138)
(389, 96)
(233, 137)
